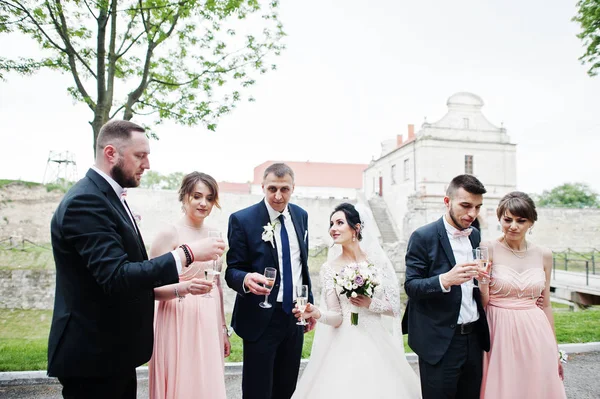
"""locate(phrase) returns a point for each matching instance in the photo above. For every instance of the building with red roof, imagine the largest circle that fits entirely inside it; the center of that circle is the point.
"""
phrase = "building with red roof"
(318, 179)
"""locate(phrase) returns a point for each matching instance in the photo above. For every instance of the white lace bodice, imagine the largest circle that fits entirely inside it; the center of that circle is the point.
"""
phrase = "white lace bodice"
(337, 308)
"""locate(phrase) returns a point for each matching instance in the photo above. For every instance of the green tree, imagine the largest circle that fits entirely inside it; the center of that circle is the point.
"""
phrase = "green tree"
(173, 180)
(151, 179)
(588, 17)
(569, 195)
(175, 60)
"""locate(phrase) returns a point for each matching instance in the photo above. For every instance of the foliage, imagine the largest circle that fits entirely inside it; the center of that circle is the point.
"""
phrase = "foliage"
(588, 17)
(155, 180)
(189, 62)
(569, 195)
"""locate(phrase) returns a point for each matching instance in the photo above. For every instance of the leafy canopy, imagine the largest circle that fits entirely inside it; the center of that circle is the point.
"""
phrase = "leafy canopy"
(570, 195)
(588, 17)
(186, 61)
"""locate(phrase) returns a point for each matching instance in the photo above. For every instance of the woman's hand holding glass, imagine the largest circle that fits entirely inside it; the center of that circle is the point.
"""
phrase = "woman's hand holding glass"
(197, 286)
(310, 311)
(301, 301)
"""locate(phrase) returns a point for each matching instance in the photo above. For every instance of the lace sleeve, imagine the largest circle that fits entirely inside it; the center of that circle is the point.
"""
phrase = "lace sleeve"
(380, 304)
(331, 310)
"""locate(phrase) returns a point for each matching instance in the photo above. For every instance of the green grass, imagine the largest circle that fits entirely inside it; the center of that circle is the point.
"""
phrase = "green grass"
(31, 257)
(29, 184)
(24, 339)
(577, 327)
(24, 336)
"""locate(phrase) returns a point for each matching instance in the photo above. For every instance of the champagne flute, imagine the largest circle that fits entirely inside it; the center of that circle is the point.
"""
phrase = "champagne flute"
(211, 272)
(215, 266)
(301, 301)
(270, 274)
(483, 260)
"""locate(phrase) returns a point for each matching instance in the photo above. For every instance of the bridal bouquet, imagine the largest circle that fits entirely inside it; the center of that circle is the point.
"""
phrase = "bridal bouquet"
(355, 280)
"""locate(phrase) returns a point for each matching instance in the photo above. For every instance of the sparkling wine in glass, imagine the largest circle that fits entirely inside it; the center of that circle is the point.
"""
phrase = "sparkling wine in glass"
(301, 301)
(483, 260)
(270, 274)
(213, 271)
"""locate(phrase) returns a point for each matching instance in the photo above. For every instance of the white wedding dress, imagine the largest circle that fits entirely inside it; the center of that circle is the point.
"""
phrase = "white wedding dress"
(363, 361)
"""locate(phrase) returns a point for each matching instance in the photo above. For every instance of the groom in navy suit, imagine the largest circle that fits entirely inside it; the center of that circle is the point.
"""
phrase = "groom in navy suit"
(444, 318)
(272, 340)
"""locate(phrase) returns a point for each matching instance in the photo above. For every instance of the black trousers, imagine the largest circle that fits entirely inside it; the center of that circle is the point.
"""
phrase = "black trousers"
(458, 375)
(272, 363)
(118, 386)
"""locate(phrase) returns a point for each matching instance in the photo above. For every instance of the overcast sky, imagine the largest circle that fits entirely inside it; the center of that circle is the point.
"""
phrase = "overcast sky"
(354, 74)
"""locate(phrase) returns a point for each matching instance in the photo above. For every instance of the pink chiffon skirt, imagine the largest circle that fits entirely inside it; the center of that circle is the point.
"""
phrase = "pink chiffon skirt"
(187, 361)
(523, 358)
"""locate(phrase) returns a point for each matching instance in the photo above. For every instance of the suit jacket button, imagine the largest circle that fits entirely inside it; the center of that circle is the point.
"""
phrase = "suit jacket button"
(452, 325)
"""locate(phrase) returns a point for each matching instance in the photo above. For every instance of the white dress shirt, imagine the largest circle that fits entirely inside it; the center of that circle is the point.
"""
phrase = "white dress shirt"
(463, 253)
(294, 248)
(119, 191)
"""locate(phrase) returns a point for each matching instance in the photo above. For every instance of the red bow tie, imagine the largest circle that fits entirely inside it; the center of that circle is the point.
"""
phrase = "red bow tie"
(462, 233)
(124, 193)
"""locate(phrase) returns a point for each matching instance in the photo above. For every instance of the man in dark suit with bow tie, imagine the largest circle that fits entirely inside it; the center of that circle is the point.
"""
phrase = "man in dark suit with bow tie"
(444, 318)
(102, 325)
(272, 340)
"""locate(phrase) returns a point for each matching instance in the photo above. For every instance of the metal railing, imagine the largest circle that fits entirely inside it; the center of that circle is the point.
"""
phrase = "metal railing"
(577, 261)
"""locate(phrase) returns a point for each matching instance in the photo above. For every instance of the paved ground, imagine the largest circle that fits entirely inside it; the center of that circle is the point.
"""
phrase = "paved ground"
(581, 382)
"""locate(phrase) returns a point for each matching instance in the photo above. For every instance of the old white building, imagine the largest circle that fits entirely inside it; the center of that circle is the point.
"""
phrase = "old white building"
(411, 176)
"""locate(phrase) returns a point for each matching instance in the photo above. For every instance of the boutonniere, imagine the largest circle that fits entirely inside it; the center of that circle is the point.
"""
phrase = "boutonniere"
(269, 233)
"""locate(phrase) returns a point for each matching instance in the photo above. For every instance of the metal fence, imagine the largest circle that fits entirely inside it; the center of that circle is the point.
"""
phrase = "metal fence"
(578, 261)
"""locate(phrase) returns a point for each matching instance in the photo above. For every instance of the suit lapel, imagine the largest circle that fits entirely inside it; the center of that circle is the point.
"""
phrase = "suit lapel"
(265, 219)
(299, 232)
(106, 188)
(445, 242)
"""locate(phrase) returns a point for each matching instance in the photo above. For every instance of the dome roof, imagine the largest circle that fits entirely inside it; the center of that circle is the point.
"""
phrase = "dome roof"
(464, 98)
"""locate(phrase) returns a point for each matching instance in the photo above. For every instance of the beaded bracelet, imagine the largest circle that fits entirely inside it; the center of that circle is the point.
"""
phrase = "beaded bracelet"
(191, 253)
(188, 256)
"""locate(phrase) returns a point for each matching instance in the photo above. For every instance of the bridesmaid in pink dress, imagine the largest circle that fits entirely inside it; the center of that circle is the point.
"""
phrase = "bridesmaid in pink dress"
(190, 334)
(523, 357)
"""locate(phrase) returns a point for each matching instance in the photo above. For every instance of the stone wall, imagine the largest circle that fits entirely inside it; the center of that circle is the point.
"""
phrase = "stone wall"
(27, 289)
(27, 213)
(559, 228)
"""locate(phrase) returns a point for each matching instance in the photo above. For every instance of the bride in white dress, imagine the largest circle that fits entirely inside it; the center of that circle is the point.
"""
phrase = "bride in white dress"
(366, 360)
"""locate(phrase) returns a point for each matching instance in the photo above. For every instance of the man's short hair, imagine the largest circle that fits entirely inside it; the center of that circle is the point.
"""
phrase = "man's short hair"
(116, 132)
(279, 170)
(468, 182)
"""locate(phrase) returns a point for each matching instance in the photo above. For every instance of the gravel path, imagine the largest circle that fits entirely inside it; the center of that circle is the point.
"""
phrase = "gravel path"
(581, 381)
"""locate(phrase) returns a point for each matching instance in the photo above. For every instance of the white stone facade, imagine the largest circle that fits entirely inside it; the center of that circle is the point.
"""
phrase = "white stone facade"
(412, 178)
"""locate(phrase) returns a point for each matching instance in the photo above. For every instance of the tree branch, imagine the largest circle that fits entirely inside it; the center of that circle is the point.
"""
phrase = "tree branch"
(129, 26)
(36, 23)
(63, 32)
(89, 9)
(112, 59)
(70, 51)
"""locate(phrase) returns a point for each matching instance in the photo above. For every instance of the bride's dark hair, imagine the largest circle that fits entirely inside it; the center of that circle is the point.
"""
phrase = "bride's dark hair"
(352, 217)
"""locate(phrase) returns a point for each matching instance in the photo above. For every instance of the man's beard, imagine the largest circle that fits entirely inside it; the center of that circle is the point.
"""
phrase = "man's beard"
(456, 221)
(118, 174)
